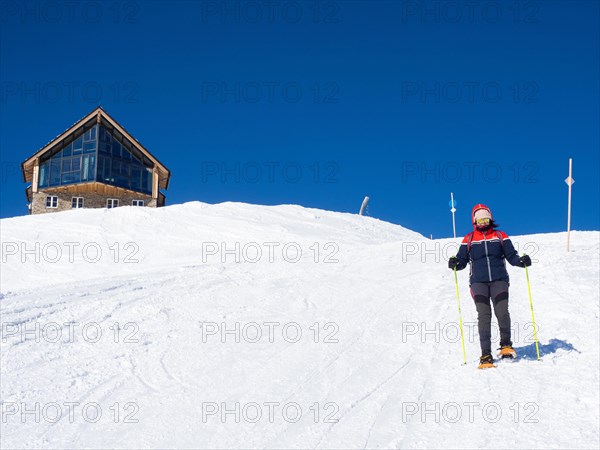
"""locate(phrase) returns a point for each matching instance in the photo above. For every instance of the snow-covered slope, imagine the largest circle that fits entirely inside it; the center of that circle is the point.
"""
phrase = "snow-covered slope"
(233, 325)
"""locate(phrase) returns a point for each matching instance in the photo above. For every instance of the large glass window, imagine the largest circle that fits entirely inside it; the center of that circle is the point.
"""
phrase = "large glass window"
(77, 146)
(120, 165)
(116, 149)
(43, 176)
(54, 167)
(89, 147)
(136, 178)
(88, 169)
(97, 154)
(67, 165)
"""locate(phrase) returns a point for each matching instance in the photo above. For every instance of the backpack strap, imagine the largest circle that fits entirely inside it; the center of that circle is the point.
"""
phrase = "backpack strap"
(469, 240)
(501, 238)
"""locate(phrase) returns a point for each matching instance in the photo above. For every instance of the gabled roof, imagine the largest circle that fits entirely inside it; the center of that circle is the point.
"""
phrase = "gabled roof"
(96, 116)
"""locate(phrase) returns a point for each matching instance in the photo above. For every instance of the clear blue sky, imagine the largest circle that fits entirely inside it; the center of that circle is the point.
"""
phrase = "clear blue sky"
(366, 98)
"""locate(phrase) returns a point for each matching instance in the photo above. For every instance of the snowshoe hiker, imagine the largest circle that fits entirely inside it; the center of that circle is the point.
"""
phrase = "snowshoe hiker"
(486, 249)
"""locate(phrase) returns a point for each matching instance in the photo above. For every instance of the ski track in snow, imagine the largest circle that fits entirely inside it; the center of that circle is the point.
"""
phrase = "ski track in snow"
(152, 362)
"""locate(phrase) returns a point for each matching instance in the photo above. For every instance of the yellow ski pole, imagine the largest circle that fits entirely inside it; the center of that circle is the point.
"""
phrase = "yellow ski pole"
(462, 335)
(537, 348)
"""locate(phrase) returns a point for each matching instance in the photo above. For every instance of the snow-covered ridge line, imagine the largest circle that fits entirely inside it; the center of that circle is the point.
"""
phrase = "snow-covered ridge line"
(77, 245)
(90, 243)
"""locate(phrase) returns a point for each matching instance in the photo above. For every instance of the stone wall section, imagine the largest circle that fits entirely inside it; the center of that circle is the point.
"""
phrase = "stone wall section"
(90, 200)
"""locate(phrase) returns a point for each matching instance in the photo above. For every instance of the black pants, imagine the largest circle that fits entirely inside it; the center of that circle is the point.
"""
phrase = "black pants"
(497, 291)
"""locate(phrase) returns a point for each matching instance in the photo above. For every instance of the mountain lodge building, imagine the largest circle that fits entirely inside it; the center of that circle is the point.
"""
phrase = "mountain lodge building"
(95, 163)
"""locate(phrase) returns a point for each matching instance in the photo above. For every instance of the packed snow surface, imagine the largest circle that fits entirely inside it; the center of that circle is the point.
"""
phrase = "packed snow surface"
(243, 326)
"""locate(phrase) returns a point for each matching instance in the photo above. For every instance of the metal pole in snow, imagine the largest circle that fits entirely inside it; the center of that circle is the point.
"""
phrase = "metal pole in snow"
(569, 180)
(453, 209)
(363, 206)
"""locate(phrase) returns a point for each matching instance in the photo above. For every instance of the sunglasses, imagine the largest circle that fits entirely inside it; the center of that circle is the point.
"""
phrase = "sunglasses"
(484, 221)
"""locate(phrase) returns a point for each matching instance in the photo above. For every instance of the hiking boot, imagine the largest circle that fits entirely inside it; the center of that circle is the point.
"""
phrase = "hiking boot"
(507, 351)
(486, 361)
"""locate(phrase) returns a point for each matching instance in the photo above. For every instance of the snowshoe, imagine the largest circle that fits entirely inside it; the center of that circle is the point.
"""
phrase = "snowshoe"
(507, 351)
(486, 362)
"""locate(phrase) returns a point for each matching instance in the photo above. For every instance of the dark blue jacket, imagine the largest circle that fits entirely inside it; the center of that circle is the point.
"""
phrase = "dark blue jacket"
(487, 252)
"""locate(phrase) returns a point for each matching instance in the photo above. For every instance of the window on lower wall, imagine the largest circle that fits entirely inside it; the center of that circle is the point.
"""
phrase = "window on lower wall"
(51, 201)
(77, 202)
(137, 202)
(112, 203)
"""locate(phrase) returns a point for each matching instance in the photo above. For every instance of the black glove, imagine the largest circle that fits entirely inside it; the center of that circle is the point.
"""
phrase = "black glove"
(525, 260)
(453, 262)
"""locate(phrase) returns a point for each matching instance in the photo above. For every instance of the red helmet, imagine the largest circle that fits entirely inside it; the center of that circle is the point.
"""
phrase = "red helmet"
(476, 208)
